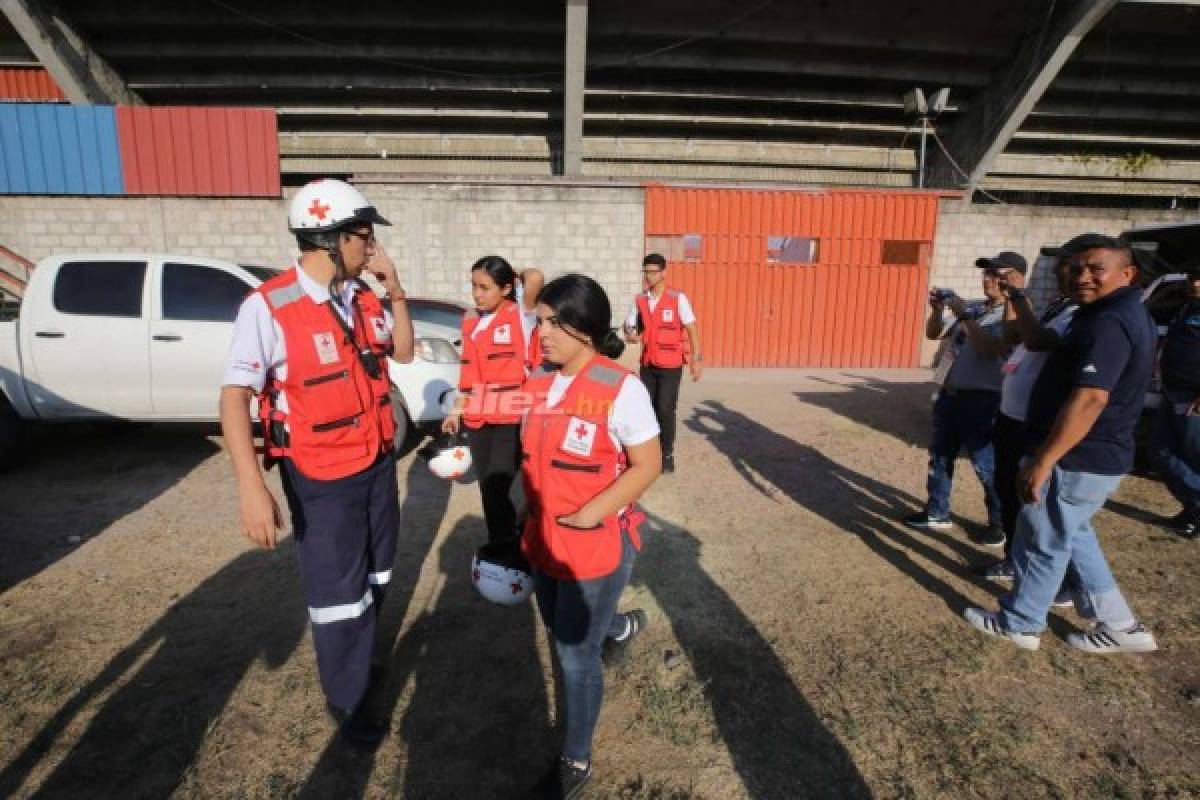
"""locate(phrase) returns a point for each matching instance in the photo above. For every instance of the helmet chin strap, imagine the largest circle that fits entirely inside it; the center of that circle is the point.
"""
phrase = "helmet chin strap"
(338, 281)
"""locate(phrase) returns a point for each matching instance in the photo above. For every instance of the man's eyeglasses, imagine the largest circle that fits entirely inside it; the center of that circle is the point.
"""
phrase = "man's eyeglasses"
(368, 238)
(651, 271)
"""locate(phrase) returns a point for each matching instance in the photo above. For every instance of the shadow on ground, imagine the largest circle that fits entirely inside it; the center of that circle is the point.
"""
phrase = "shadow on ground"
(78, 479)
(146, 735)
(901, 410)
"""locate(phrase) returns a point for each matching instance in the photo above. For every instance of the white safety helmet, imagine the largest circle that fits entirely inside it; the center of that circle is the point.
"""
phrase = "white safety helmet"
(502, 583)
(327, 204)
(449, 457)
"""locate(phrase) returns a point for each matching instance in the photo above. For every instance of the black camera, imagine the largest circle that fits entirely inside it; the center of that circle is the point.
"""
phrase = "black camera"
(942, 295)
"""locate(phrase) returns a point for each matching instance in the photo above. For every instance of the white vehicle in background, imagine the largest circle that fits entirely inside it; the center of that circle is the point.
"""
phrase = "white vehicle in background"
(139, 336)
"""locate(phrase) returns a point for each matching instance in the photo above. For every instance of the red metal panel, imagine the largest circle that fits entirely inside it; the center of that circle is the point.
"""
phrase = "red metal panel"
(28, 83)
(199, 151)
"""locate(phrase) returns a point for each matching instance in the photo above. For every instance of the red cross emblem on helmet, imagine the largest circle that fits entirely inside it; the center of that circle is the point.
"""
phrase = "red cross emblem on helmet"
(317, 210)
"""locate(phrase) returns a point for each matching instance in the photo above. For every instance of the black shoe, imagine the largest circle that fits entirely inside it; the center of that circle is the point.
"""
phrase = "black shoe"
(992, 537)
(1191, 527)
(357, 727)
(668, 465)
(563, 781)
(615, 651)
(924, 522)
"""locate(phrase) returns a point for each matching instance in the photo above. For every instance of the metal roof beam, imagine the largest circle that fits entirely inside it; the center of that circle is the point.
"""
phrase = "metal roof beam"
(982, 133)
(84, 76)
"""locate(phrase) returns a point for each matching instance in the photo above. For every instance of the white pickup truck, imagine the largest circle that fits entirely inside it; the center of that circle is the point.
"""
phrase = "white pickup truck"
(144, 337)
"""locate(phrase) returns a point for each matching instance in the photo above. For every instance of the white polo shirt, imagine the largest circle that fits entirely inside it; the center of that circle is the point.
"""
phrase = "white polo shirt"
(259, 348)
(686, 315)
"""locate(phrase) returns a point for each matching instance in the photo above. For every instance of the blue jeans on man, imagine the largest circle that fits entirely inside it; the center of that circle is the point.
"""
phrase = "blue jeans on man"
(1175, 444)
(1052, 535)
(962, 420)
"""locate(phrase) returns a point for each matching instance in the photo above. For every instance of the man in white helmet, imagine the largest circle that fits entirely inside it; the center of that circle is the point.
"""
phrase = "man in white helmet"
(313, 344)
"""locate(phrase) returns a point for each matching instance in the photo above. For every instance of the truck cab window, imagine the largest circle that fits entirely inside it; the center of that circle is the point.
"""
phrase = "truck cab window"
(193, 292)
(100, 288)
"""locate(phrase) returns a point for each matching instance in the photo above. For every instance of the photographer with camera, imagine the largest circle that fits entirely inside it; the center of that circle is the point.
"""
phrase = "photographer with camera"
(966, 404)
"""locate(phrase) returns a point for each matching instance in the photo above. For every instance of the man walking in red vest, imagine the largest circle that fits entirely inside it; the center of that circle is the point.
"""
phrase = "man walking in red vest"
(660, 318)
(313, 344)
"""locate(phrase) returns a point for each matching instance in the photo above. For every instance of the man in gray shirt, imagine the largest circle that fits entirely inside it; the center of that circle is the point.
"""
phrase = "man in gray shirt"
(969, 397)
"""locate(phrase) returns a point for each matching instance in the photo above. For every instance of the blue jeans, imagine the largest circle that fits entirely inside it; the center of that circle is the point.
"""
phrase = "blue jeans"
(1057, 533)
(579, 615)
(1175, 444)
(962, 420)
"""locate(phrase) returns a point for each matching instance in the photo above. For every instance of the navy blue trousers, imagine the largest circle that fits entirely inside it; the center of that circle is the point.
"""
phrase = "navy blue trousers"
(345, 532)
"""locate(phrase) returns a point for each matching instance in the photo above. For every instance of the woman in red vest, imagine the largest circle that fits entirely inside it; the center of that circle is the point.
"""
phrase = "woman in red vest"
(498, 355)
(590, 449)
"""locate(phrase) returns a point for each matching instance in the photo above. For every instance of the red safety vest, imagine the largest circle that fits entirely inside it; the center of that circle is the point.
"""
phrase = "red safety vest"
(339, 418)
(567, 458)
(662, 332)
(494, 366)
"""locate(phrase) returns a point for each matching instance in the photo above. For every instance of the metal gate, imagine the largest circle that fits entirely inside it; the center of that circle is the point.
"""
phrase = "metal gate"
(833, 278)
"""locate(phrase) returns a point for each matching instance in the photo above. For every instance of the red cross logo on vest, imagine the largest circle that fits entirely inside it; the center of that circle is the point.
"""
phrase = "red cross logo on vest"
(581, 432)
(317, 210)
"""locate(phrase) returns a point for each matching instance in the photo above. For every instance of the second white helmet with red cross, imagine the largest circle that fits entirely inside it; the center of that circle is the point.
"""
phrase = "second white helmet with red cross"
(327, 204)
(450, 457)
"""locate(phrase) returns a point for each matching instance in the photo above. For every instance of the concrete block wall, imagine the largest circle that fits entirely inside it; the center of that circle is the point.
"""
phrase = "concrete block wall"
(241, 230)
(439, 230)
(965, 234)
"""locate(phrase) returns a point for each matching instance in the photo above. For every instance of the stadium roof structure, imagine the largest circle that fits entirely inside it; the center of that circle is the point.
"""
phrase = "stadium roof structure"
(1079, 98)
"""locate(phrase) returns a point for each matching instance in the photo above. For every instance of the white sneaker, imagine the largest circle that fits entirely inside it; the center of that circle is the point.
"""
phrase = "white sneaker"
(989, 622)
(1104, 639)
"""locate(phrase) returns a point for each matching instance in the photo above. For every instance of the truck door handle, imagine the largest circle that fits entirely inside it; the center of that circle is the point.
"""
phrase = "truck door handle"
(50, 334)
(167, 337)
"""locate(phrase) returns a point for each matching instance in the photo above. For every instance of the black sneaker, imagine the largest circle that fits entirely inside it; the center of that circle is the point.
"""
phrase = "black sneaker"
(1191, 525)
(668, 465)
(1001, 572)
(615, 651)
(924, 522)
(563, 781)
(357, 727)
(993, 536)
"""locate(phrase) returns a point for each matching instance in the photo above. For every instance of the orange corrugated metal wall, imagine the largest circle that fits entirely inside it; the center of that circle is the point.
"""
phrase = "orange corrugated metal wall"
(28, 83)
(199, 151)
(846, 310)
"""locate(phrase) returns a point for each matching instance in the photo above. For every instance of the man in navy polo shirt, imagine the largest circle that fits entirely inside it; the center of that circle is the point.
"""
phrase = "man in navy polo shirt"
(1079, 431)
(1176, 440)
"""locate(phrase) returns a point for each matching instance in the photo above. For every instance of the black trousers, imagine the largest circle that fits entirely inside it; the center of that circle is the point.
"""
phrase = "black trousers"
(1008, 446)
(345, 531)
(663, 385)
(496, 457)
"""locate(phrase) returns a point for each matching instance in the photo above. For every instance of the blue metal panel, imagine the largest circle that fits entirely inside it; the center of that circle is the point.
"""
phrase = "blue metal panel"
(59, 149)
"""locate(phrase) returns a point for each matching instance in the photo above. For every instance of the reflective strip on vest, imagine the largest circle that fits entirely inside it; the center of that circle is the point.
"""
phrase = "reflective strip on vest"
(328, 614)
(605, 375)
(285, 295)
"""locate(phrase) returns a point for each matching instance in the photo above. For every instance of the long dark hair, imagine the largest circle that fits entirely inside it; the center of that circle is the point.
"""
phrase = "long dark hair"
(499, 271)
(580, 303)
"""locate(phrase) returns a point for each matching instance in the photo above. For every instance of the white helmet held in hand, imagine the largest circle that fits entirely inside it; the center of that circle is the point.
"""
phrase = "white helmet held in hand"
(503, 583)
(327, 204)
(449, 457)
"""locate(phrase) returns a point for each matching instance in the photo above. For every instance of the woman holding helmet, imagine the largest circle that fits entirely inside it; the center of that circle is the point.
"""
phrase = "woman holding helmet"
(498, 355)
(589, 450)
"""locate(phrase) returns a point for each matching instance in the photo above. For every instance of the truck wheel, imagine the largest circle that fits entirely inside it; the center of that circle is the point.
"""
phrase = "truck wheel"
(12, 434)
(406, 432)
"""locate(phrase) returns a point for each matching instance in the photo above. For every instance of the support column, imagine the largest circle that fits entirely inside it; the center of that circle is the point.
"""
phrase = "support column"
(84, 76)
(985, 129)
(574, 80)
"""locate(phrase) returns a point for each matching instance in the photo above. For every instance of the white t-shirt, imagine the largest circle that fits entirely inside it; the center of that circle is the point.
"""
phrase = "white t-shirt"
(259, 348)
(632, 420)
(686, 315)
(1023, 367)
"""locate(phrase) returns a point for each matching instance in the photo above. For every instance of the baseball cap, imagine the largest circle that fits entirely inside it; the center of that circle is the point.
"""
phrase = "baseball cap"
(1006, 259)
(1088, 241)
